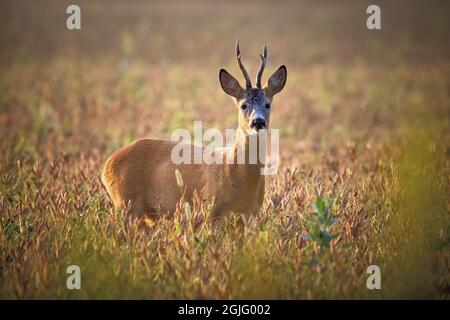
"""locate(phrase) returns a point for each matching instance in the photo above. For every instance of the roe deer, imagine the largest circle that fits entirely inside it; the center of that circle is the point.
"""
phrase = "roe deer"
(141, 176)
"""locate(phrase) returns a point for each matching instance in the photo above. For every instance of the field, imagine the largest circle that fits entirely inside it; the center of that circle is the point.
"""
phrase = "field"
(364, 142)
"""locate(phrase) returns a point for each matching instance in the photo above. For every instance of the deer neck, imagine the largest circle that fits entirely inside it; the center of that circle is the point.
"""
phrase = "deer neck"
(247, 148)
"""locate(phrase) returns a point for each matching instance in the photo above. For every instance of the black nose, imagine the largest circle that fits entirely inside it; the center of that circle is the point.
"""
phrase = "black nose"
(258, 123)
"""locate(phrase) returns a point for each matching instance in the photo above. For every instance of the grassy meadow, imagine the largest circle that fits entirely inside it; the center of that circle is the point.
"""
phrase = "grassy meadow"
(364, 125)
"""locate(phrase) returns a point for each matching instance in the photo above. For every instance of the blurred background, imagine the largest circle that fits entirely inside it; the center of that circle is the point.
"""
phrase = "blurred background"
(364, 118)
(147, 68)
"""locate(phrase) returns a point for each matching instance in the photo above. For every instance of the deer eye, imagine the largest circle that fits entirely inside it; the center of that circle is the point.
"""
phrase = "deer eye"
(243, 106)
(268, 105)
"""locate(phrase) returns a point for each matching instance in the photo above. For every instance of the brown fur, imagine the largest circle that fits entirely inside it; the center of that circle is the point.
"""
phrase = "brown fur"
(141, 176)
(143, 173)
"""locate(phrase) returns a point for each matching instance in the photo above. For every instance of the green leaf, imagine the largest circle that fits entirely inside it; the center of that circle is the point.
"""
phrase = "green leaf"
(179, 177)
(320, 206)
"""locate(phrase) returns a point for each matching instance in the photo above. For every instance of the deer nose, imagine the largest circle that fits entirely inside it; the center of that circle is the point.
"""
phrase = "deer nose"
(258, 123)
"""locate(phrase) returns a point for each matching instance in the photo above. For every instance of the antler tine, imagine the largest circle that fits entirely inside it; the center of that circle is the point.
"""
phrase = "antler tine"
(248, 83)
(261, 67)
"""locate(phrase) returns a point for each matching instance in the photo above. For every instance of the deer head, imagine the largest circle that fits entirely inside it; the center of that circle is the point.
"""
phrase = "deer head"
(255, 104)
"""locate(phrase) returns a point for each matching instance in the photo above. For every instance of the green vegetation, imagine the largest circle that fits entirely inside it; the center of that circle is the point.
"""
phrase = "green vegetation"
(364, 176)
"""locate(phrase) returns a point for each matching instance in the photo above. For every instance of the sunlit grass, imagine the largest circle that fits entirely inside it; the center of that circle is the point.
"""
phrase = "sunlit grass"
(364, 175)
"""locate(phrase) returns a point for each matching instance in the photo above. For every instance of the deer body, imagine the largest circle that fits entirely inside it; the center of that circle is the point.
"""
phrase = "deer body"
(141, 176)
(143, 173)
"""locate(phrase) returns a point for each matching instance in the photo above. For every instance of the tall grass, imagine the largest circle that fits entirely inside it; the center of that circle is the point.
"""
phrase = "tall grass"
(364, 175)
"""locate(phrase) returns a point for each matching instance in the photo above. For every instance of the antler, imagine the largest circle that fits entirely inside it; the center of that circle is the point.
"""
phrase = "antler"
(248, 83)
(261, 67)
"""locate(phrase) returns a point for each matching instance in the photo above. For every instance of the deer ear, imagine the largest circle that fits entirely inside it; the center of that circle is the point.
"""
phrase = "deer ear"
(276, 81)
(229, 84)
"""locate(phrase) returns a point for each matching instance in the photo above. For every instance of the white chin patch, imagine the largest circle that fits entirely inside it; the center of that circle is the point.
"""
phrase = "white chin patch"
(254, 132)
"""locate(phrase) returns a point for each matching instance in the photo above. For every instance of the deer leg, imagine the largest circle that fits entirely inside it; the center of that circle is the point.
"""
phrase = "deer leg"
(134, 210)
(150, 218)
